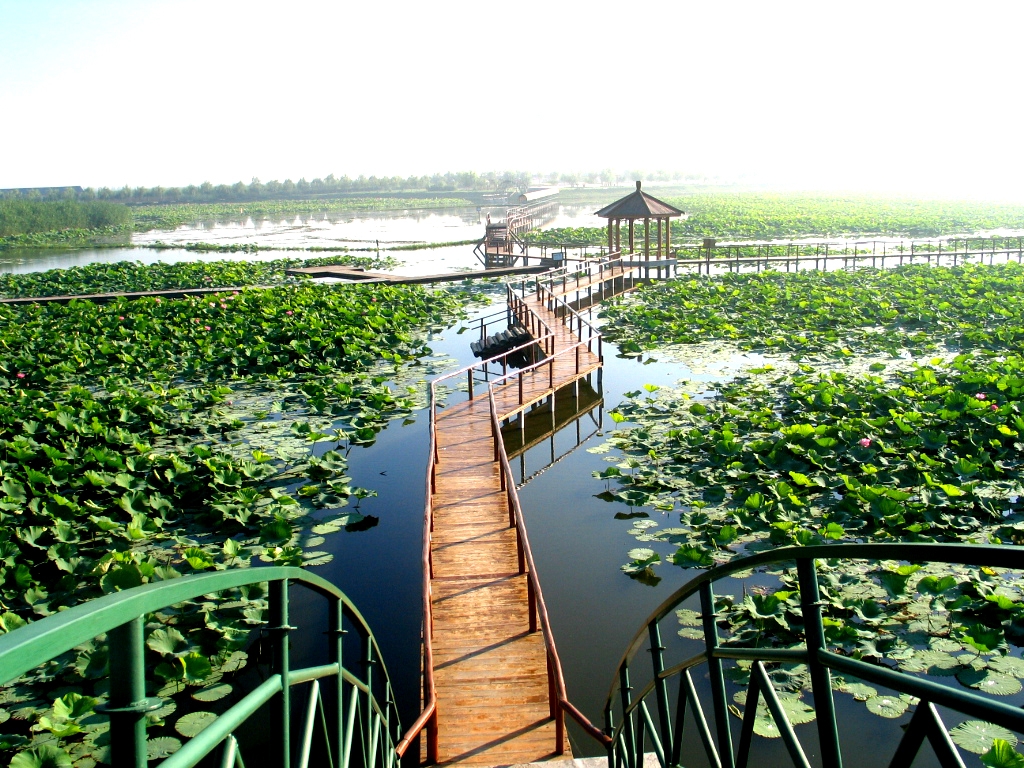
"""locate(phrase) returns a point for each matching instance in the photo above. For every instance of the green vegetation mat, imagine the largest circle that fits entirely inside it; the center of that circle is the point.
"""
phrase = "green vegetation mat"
(130, 276)
(742, 216)
(854, 437)
(893, 311)
(143, 440)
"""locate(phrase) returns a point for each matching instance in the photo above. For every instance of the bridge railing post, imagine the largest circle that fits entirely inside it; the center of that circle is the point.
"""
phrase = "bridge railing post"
(128, 704)
(281, 665)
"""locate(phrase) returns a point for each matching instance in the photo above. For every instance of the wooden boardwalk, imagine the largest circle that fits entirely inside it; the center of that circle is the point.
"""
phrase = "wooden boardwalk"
(490, 670)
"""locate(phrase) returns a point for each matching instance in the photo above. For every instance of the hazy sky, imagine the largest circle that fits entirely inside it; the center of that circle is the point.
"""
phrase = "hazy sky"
(887, 95)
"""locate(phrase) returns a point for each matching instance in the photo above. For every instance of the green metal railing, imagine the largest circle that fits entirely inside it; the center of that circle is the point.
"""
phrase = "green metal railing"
(652, 718)
(359, 723)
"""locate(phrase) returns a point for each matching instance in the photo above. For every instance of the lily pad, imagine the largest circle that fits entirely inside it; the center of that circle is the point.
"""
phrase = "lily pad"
(161, 746)
(977, 736)
(989, 681)
(193, 723)
(886, 706)
(859, 691)
(213, 693)
(1007, 665)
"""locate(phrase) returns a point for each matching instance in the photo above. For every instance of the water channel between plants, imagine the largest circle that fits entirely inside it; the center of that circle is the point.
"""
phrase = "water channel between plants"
(579, 540)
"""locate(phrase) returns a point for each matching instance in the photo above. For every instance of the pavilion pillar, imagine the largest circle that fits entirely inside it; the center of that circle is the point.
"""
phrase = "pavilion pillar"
(668, 241)
(610, 249)
(659, 254)
(647, 245)
(618, 235)
(631, 222)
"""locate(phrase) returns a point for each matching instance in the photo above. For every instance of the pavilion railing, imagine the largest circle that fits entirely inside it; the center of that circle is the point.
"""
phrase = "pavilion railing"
(650, 717)
(359, 724)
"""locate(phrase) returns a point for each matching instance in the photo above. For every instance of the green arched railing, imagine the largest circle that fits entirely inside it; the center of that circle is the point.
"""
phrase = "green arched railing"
(360, 725)
(653, 700)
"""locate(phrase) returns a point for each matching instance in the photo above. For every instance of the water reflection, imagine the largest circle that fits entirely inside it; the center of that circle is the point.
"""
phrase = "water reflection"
(324, 231)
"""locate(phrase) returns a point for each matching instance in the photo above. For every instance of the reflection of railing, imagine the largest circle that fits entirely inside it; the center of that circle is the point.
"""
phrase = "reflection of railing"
(635, 729)
(521, 450)
(364, 714)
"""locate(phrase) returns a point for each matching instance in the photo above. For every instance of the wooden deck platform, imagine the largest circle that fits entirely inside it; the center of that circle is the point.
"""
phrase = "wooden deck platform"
(490, 670)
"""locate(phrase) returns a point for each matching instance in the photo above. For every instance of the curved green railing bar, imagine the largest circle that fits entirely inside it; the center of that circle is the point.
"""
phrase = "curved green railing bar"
(651, 717)
(364, 726)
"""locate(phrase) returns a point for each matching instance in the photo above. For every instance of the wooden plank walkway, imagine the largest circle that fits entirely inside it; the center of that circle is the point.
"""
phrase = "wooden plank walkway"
(490, 671)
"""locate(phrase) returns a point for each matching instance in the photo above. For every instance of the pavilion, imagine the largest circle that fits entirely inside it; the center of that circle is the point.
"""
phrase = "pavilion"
(640, 205)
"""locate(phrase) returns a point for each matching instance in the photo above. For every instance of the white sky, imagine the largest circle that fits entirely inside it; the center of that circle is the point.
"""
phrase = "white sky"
(890, 96)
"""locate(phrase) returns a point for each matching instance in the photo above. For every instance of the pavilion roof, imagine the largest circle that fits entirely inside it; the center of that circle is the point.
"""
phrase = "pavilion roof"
(638, 205)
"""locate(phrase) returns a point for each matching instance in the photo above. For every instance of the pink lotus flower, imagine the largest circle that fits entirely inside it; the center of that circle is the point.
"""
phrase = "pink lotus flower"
(234, 293)
(213, 304)
(157, 299)
(289, 313)
(21, 375)
(980, 396)
(120, 317)
(206, 327)
(223, 306)
(995, 407)
(864, 442)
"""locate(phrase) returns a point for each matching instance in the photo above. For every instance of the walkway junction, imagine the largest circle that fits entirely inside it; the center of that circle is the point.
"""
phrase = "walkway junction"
(493, 690)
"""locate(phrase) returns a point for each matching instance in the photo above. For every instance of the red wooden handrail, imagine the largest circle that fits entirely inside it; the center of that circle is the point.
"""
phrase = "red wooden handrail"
(538, 608)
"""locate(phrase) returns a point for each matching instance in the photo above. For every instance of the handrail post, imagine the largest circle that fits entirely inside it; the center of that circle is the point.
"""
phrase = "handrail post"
(369, 713)
(280, 664)
(632, 759)
(719, 698)
(128, 704)
(469, 374)
(658, 661)
(335, 620)
(821, 683)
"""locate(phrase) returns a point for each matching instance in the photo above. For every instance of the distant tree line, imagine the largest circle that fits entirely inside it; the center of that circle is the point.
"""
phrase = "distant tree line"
(24, 217)
(330, 186)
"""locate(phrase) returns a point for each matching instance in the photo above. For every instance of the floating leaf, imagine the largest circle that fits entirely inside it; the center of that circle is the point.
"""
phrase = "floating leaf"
(989, 681)
(859, 691)
(193, 723)
(977, 736)
(886, 706)
(1007, 665)
(161, 747)
(212, 693)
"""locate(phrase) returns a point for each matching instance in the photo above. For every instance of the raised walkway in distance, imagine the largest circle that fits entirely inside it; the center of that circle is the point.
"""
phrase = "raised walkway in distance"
(495, 700)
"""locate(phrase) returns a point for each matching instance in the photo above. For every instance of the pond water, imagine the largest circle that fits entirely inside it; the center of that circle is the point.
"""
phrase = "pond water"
(362, 231)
